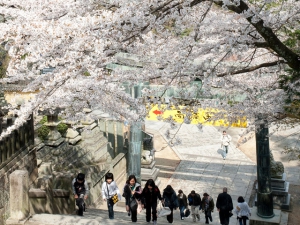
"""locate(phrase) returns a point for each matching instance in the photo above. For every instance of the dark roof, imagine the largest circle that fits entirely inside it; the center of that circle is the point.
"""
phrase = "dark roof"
(17, 86)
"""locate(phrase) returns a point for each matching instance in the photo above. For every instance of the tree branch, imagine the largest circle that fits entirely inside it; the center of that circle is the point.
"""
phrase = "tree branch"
(250, 69)
(293, 59)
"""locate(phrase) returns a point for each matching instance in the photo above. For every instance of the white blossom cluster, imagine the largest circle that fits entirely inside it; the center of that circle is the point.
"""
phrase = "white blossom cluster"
(173, 42)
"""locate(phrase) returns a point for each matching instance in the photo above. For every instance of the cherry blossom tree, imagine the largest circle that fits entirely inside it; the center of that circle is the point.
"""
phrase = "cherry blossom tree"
(236, 48)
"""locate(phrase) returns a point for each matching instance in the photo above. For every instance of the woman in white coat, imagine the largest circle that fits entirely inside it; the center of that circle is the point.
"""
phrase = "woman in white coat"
(242, 210)
(109, 189)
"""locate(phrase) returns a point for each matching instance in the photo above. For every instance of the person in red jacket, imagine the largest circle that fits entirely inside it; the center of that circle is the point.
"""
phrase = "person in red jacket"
(150, 195)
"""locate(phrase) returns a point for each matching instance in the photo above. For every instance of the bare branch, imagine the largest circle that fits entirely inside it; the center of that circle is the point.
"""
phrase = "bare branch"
(253, 68)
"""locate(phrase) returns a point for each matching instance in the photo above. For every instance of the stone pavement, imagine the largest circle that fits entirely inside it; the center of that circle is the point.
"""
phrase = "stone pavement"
(202, 167)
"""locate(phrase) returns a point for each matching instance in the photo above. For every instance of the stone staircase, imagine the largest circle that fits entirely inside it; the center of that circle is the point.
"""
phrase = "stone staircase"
(100, 216)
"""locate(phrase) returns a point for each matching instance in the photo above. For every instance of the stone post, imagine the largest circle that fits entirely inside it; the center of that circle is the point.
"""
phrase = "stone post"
(135, 149)
(19, 202)
(264, 191)
(31, 129)
(1, 119)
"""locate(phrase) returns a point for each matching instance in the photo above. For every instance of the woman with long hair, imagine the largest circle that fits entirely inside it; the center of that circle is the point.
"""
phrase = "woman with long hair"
(132, 193)
(150, 194)
(109, 189)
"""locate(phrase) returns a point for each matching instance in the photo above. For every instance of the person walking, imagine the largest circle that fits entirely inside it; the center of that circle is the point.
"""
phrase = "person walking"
(208, 206)
(195, 203)
(109, 189)
(80, 190)
(150, 194)
(170, 200)
(182, 202)
(132, 192)
(225, 142)
(225, 206)
(242, 210)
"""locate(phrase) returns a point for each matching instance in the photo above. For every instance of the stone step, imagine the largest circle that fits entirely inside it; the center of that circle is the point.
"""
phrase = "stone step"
(99, 216)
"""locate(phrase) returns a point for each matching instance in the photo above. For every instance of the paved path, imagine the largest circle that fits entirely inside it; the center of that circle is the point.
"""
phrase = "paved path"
(202, 167)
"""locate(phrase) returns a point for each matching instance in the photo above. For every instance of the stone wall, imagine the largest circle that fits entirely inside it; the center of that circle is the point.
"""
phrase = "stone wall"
(61, 201)
(52, 168)
(24, 161)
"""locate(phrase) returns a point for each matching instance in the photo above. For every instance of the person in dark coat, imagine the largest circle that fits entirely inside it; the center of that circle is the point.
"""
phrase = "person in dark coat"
(150, 194)
(170, 200)
(224, 206)
(182, 201)
(132, 192)
(208, 206)
(80, 190)
(195, 203)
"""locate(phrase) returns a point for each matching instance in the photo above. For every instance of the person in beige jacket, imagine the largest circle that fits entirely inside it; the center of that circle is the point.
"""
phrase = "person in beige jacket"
(225, 142)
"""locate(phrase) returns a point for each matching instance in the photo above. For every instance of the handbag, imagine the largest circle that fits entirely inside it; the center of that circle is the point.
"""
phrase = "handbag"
(114, 199)
(133, 204)
(187, 213)
(230, 214)
(163, 211)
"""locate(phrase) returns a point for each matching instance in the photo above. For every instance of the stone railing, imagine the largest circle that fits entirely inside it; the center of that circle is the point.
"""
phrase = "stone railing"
(17, 142)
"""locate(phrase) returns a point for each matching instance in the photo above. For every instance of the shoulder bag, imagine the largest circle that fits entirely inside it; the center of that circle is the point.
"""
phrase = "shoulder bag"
(133, 203)
(114, 199)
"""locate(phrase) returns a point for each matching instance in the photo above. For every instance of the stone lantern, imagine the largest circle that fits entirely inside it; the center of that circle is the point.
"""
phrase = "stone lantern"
(54, 138)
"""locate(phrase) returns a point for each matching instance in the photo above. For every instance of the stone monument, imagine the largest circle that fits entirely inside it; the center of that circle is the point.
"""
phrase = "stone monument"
(148, 169)
(280, 187)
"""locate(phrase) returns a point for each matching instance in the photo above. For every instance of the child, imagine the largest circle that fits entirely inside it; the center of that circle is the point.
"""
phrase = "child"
(109, 189)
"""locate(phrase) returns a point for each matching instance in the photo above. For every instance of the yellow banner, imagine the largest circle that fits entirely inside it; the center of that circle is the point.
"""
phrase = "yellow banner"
(200, 117)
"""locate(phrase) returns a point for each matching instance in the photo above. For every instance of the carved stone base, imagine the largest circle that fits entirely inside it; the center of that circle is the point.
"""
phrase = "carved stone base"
(280, 192)
(147, 174)
(256, 220)
(148, 166)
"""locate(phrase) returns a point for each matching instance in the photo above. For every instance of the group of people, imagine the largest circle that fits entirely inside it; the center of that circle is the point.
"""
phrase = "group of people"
(137, 197)
(206, 204)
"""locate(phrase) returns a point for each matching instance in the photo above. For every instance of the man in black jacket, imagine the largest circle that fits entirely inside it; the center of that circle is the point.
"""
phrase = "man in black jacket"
(80, 190)
(195, 203)
(224, 206)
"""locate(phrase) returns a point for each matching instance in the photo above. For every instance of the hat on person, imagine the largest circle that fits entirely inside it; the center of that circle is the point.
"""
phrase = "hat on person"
(80, 176)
